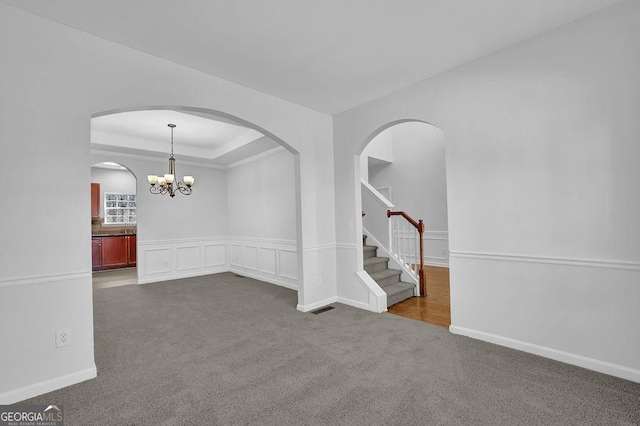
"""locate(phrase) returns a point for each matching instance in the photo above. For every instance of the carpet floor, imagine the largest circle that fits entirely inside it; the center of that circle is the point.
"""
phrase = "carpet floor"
(226, 350)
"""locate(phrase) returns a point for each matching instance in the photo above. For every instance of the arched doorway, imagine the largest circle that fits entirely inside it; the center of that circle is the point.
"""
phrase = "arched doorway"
(113, 225)
(243, 215)
(403, 171)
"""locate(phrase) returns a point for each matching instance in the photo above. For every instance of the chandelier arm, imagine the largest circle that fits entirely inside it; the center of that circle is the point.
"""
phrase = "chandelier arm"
(185, 190)
(169, 188)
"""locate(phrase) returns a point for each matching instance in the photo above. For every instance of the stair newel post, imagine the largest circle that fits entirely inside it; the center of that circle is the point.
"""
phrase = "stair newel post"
(423, 276)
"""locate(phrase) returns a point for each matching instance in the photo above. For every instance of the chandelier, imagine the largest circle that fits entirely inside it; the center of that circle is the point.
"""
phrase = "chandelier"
(164, 185)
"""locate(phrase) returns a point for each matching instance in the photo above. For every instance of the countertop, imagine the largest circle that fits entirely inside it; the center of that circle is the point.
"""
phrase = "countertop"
(120, 234)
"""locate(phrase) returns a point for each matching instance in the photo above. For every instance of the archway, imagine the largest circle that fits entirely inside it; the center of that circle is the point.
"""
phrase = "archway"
(170, 249)
(113, 225)
(402, 169)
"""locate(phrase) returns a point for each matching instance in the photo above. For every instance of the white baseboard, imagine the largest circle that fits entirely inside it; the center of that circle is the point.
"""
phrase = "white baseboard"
(316, 305)
(40, 388)
(566, 357)
(244, 272)
(353, 303)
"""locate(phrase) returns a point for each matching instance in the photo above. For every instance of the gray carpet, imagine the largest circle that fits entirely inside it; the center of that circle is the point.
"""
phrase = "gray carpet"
(222, 350)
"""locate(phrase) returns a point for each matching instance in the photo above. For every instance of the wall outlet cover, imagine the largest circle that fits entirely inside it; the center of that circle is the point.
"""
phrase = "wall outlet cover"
(63, 338)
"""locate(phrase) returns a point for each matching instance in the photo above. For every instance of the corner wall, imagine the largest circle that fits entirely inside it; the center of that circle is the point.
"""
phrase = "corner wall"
(541, 150)
(53, 80)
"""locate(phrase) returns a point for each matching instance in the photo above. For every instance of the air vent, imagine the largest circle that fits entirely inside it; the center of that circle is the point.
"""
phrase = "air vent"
(239, 276)
(321, 310)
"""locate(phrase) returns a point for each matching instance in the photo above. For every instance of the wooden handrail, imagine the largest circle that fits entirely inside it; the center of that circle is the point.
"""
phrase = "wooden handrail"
(419, 225)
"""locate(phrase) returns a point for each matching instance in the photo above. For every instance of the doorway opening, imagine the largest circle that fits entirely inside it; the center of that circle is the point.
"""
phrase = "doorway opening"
(114, 221)
(243, 215)
(404, 205)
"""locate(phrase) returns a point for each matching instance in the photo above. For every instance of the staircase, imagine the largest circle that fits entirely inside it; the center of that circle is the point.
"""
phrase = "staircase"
(387, 279)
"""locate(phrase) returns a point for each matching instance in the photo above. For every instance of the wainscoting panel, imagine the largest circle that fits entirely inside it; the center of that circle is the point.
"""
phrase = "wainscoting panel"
(251, 257)
(274, 261)
(288, 265)
(268, 260)
(237, 257)
(171, 259)
(215, 255)
(156, 260)
(436, 248)
(187, 258)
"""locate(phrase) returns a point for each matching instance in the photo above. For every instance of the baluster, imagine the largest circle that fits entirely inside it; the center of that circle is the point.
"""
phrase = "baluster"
(397, 238)
(404, 241)
(413, 243)
(417, 247)
(395, 235)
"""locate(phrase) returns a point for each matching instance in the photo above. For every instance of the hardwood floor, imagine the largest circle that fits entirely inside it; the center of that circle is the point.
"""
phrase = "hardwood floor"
(435, 308)
(114, 278)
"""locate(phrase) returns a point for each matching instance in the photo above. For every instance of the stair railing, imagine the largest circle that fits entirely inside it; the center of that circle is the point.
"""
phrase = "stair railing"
(406, 240)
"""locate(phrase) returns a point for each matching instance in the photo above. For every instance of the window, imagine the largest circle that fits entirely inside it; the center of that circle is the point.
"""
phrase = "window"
(119, 208)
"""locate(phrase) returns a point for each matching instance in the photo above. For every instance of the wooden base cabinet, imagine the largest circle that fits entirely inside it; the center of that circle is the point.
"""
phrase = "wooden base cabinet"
(131, 249)
(96, 253)
(113, 252)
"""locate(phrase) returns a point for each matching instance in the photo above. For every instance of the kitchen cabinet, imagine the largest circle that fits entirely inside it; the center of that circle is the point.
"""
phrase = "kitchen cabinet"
(95, 199)
(114, 251)
(131, 249)
(96, 253)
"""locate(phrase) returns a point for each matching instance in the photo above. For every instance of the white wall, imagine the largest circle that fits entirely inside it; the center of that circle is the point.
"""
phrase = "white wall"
(417, 178)
(379, 148)
(542, 151)
(53, 79)
(262, 218)
(113, 180)
(261, 198)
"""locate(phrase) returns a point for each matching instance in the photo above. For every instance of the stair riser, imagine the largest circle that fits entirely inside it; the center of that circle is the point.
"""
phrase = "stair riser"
(389, 280)
(366, 254)
(399, 297)
(376, 267)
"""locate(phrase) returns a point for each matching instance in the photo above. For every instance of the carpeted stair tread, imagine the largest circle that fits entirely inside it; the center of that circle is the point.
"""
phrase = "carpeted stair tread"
(398, 292)
(369, 251)
(375, 264)
(400, 286)
(381, 275)
(374, 260)
(387, 279)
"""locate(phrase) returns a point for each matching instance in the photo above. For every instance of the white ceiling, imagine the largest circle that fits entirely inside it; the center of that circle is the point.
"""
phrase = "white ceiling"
(200, 138)
(328, 55)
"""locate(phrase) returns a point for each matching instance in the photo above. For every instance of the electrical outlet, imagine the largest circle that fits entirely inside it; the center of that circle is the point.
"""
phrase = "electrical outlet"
(350, 225)
(63, 338)
(444, 251)
(318, 281)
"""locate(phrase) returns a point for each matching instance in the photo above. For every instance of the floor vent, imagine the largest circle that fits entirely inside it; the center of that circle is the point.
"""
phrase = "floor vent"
(239, 276)
(321, 310)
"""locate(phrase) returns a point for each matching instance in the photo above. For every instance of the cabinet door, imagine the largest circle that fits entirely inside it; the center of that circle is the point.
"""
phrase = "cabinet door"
(96, 253)
(114, 252)
(95, 199)
(131, 246)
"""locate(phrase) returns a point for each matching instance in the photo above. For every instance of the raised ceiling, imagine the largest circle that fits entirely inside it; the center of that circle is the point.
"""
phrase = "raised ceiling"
(200, 138)
(327, 55)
